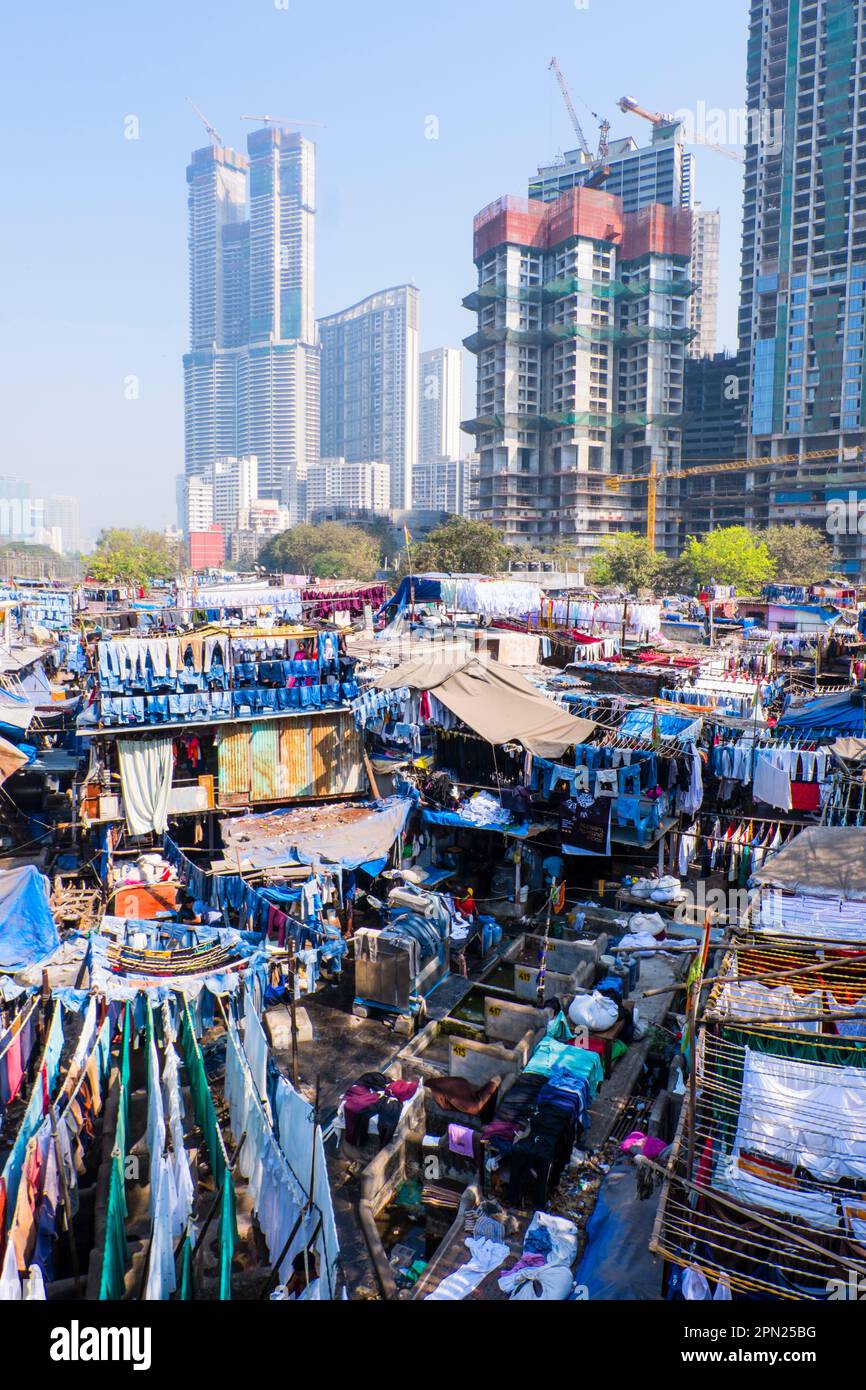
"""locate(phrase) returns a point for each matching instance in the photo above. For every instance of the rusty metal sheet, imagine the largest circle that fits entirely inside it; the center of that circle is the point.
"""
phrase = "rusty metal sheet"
(337, 754)
(234, 765)
(299, 758)
(267, 782)
(295, 758)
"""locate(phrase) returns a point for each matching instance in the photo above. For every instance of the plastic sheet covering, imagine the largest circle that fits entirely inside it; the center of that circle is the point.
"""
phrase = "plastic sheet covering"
(617, 1263)
(11, 759)
(822, 862)
(844, 714)
(278, 837)
(27, 930)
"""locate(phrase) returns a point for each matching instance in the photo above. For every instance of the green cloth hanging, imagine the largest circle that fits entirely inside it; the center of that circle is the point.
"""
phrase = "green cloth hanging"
(185, 1288)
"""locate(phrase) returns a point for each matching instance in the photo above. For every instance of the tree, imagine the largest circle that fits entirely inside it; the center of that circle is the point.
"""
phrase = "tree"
(132, 556)
(460, 546)
(625, 561)
(801, 554)
(385, 536)
(732, 555)
(328, 550)
(673, 576)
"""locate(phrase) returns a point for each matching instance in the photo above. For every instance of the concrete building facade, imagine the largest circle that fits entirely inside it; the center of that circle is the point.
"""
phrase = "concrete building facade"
(369, 400)
(582, 327)
(352, 487)
(251, 377)
(802, 321)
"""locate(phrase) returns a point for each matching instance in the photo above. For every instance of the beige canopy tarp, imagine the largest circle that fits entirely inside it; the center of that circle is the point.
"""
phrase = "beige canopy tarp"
(11, 759)
(495, 702)
(849, 750)
(823, 861)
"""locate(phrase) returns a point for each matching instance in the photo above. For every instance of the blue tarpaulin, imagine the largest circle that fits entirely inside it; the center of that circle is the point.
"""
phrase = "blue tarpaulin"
(617, 1263)
(519, 828)
(27, 930)
(842, 714)
(426, 591)
(638, 723)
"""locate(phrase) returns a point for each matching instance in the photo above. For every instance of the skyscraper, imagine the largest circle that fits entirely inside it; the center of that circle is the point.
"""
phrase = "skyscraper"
(216, 179)
(582, 325)
(370, 385)
(704, 303)
(62, 512)
(441, 409)
(252, 373)
(803, 292)
(661, 172)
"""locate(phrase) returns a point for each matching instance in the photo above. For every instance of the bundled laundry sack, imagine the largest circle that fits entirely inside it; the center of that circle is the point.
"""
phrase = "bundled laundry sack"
(545, 1283)
(593, 1011)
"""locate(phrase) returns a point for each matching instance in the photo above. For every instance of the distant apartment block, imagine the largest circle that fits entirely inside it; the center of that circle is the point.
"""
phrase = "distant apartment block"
(443, 485)
(251, 377)
(349, 487)
(369, 385)
(713, 430)
(441, 404)
(704, 303)
(581, 336)
(803, 291)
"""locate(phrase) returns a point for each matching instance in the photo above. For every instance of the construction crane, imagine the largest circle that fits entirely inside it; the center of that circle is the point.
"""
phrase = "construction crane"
(569, 106)
(281, 120)
(215, 137)
(661, 118)
(599, 169)
(653, 478)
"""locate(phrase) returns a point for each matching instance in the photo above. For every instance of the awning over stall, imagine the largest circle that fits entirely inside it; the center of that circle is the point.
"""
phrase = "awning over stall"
(822, 861)
(495, 702)
(843, 713)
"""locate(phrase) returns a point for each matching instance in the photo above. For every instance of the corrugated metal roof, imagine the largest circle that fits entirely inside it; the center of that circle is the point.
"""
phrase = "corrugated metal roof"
(234, 765)
(266, 781)
(295, 759)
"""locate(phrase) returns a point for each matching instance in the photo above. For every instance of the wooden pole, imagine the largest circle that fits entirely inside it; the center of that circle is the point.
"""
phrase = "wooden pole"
(216, 1201)
(539, 986)
(371, 777)
(789, 1233)
(293, 1011)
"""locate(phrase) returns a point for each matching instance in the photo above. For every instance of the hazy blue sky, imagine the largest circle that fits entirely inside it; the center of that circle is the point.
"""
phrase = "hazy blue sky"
(95, 267)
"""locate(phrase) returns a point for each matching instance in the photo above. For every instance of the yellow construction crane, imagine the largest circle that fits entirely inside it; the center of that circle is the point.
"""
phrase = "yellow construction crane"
(654, 477)
(659, 118)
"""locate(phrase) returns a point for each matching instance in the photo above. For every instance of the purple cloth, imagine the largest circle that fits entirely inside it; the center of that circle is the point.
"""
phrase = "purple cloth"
(527, 1262)
(460, 1140)
(638, 1142)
